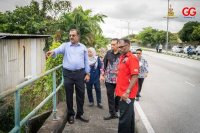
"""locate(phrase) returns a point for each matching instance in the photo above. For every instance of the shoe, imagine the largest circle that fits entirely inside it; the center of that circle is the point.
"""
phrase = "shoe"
(117, 114)
(71, 120)
(137, 98)
(99, 105)
(91, 104)
(81, 118)
(111, 117)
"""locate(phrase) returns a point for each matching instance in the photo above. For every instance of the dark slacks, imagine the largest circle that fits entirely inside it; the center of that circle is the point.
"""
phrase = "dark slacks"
(97, 89)
(113, 101)
(140, 82)
(127, 117)
(76, 79)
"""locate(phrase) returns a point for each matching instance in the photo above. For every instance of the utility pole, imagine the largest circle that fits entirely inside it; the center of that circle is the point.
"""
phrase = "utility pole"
(170, 15)
(167, 41)
(128, 27)
(128, 22)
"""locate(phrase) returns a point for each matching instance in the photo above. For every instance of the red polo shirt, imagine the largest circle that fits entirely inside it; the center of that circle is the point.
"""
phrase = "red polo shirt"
(128, 66)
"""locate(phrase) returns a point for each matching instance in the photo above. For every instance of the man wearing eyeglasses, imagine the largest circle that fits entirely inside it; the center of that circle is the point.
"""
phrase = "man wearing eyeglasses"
(142, 73)
(127, 86)
(75, 72)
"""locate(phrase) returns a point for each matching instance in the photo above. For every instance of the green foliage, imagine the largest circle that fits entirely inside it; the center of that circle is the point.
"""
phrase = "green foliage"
(173, 38)
(185, 33)
(33, 94)
(100, 41)
(153, 37)
(147, 35)
(56, 8)
(160, 37)
(33, 20)
(6, 115)
(196, 34)
(24, 20)
(53, 17)
(87, 24)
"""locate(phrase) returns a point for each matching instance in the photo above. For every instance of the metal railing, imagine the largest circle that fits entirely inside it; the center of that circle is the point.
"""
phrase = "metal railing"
(19, 123)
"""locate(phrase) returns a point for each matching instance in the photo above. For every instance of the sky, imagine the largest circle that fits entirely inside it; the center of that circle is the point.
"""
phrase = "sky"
(129, 16)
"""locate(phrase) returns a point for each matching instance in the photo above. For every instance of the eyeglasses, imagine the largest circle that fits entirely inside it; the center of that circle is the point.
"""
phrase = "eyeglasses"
(122, 46)
(138, 53)
(72, 35)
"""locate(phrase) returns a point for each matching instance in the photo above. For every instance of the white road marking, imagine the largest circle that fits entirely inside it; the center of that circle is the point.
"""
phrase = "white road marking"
(190, 84)
(144, 119)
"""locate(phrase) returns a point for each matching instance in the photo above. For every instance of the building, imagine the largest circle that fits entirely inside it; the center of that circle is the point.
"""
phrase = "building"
(21, 57)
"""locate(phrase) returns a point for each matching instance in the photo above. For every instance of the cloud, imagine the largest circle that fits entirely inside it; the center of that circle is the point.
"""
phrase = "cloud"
(137, 13)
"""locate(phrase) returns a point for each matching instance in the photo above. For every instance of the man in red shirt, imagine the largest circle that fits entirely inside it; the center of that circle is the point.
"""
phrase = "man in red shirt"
(127, 87)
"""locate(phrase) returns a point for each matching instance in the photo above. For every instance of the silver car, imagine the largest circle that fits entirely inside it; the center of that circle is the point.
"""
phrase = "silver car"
(177, 49)
(198, 50)
(133, 48)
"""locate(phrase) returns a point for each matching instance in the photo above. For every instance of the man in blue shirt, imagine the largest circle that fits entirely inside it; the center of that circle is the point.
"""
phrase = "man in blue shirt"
(75, 71)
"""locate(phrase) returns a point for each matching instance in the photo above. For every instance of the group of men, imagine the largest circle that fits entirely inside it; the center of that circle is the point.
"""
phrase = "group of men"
(121, 79)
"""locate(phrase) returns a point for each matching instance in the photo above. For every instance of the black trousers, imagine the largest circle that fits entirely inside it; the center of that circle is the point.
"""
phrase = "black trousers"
(127, 117)
(140, 82)
(113, 101)
(76, 79)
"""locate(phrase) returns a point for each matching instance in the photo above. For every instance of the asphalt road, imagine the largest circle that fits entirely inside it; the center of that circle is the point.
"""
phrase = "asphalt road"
(171, 94)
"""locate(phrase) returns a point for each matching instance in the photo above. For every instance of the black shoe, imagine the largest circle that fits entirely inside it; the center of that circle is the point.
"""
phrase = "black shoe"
(71, 120)
(137, 98)
(81, 118)
(111, 117)
(99, 105)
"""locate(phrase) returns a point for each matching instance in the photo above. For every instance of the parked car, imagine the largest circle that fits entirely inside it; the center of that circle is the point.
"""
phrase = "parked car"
(198, 50)
(186, 47)
(133, 48)
(177, 49)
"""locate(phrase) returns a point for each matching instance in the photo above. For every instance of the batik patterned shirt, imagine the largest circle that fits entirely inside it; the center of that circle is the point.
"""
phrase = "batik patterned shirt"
(143, 68)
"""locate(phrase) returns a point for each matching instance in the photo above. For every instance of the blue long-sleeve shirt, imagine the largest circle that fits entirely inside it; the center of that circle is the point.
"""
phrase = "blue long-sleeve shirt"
(75, 56)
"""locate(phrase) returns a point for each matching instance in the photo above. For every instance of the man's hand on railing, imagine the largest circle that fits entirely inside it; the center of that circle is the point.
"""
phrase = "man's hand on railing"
(49, 54)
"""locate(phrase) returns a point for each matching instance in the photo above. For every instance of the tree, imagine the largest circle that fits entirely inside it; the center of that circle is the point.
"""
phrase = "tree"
(160, 37)
(24, 20)
(100, 41)
(196, 34)
(173, 38)
(147, 36)
(82, 20)
(55, 9)
(33, 20)
(185, 34)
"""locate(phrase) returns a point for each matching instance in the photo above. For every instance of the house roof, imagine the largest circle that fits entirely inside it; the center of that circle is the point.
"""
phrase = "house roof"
(21, 36)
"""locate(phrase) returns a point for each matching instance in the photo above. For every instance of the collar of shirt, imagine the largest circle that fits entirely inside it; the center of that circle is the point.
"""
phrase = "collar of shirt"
(112, 51)
(75, 45)
(126, 55)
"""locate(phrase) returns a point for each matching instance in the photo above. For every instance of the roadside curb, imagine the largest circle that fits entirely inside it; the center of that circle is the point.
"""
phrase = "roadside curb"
(174, 54)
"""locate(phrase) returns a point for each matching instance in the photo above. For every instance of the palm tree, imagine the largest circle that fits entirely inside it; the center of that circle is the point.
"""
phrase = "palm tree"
(82, 20)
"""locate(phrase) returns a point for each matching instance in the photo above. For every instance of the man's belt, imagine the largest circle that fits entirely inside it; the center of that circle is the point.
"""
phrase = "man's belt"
(77, 70)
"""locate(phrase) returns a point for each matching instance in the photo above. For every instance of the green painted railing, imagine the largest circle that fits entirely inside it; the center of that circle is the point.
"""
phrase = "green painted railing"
(19, 123)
